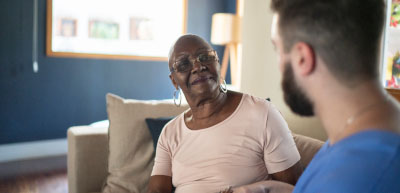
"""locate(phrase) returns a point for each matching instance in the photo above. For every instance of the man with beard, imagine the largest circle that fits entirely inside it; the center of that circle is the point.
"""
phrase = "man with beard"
(329, 53)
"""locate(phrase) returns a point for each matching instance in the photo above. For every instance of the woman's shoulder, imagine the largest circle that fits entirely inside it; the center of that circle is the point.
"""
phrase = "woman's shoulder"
(254, 104)
(255, 100)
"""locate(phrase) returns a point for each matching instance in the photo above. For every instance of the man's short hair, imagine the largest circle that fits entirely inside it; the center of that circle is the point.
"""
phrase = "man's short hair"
(346, 34)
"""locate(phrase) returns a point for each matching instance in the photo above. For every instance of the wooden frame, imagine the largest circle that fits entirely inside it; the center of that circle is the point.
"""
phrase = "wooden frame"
(156, 57)
(395, 93)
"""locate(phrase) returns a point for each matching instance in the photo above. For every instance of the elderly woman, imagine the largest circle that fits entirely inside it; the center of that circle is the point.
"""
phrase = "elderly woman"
(225, 139)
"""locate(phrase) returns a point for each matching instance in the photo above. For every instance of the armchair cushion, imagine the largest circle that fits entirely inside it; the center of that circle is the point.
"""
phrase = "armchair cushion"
(131, 150)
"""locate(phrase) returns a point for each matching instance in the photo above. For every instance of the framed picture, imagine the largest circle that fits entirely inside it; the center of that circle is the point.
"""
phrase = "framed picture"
(66, 27)
(117, 29)
(103, 30)
(141, 29)
(390, 67)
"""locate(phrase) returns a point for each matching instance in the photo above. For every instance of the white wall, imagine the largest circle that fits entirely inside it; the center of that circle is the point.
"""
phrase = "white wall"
(259, 74)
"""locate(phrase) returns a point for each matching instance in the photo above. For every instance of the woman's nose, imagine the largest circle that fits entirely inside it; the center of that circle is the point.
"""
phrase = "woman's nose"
(197, 66)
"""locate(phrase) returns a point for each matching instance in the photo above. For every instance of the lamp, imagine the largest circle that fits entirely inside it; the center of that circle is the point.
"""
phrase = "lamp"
(225, 31)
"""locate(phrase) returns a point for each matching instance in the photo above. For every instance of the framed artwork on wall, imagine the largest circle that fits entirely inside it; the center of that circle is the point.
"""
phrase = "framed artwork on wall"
(390, 68)
(66, 27)
(117, 29)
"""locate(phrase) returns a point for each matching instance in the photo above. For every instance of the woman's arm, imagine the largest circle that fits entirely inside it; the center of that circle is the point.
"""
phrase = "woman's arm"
(281, 155)
(283, 182)
(160, 184)
(269, 186)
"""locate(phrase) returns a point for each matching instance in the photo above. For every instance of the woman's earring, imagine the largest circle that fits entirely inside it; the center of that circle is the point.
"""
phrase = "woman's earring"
(222, 86)
(175, 97)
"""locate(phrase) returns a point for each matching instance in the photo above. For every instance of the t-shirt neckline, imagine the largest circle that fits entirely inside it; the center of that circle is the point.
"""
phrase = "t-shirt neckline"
(216, 125)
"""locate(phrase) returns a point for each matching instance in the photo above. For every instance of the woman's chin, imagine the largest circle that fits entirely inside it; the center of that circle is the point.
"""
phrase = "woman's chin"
(203, 89)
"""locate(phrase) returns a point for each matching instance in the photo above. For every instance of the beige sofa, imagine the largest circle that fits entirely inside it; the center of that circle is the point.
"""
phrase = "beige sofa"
(88, 151)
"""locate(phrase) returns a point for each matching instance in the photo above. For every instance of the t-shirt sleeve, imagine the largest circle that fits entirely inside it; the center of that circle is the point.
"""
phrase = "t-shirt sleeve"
(280, 151)
(162, 160)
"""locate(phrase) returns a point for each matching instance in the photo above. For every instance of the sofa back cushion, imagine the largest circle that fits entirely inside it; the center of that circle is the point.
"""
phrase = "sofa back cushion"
(131, 152)
(155, 126)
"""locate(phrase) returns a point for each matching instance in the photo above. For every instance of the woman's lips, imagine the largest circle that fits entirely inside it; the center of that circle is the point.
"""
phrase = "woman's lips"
(200, 80)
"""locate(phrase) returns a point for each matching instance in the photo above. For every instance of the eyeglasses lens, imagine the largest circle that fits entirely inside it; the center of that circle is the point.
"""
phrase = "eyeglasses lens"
(183, 64)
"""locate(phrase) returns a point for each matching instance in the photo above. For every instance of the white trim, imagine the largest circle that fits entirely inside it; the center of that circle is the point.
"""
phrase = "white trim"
(30, 150)
(383, 66)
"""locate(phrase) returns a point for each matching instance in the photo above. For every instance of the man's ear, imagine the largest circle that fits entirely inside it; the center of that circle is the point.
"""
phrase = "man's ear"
(173, 81)
(303, 58)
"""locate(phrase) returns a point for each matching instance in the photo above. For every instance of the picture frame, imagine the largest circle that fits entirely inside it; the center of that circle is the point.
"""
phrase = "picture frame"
(117, 29)
(66, 27)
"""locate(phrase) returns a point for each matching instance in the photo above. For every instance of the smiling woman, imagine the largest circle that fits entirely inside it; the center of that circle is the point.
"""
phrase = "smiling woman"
(123, 29)
(225, 139)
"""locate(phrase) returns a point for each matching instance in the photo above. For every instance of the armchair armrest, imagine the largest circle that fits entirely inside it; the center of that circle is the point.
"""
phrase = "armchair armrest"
(87, 158)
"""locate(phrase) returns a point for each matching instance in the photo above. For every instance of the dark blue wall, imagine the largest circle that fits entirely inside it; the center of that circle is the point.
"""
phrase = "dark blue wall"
(230, 6)
(70, 91)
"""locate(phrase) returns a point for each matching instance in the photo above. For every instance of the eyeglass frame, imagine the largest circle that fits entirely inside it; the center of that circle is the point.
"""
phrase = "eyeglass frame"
(173, 68)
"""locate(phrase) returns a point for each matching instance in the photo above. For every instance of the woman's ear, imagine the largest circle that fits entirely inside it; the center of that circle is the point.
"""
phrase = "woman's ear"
(173, 82)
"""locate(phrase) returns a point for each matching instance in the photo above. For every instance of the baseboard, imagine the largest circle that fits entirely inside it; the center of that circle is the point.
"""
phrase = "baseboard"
(33, 157)
(33, 150)
(33, 166)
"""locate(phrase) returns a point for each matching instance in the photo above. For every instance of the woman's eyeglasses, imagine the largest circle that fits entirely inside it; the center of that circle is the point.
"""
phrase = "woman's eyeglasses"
(183, 63)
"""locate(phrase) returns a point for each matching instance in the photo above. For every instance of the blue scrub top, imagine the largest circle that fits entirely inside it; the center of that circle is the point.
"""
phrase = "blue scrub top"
(366, 162)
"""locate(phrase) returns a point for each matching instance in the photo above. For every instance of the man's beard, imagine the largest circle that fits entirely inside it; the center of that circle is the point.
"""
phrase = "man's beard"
(294, 96)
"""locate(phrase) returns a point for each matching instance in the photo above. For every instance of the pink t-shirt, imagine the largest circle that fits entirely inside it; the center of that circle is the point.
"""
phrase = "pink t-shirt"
(245, 148)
